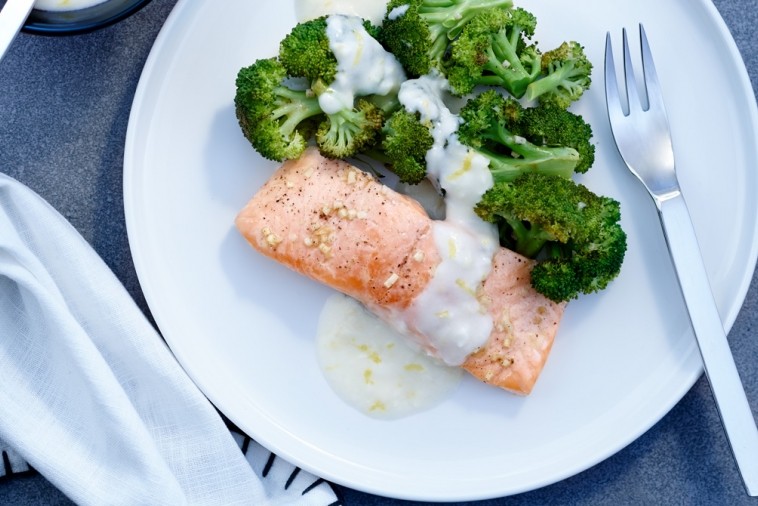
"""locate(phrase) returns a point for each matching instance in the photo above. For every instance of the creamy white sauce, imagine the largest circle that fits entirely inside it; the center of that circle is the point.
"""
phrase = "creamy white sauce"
(372, 10)
(397, 12)
(448, 312)
(363, 66)
(373, 368)
(365, 361)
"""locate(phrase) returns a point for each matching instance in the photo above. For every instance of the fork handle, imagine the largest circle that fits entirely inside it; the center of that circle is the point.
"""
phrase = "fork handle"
(718, 361)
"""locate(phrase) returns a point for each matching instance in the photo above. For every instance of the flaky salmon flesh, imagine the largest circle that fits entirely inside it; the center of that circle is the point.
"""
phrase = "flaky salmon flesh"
(338, 225)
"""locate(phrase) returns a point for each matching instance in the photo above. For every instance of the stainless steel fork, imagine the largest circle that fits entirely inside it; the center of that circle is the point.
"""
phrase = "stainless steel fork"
(643, 139)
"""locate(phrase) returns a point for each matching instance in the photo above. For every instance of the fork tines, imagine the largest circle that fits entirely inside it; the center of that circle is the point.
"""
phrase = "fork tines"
(651, 86)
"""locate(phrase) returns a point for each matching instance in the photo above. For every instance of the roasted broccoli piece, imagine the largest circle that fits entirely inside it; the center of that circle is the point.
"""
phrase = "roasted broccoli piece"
(492, 50)
(574, 234)
(489, 125)
(405, 142)
(419, 32)
(276, 119)
(550, 125)
(279, 121)
(305, 51)
(566, 74)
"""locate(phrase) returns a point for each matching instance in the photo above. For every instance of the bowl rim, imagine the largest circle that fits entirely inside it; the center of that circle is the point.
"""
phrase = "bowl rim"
(80, 27)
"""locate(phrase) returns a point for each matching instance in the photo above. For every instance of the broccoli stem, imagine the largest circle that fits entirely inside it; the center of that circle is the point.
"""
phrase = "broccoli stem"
(454, 14)
(297, 108)
(488, 80)
(557, 160)
(495, 63)
(527, 149)
(514, 74)
(343, 126)
(528, 240)
(436, 3)
(439, 41)
(506, 46)
(386, 103)
(513, 77)
(505, 168)
(560, 78)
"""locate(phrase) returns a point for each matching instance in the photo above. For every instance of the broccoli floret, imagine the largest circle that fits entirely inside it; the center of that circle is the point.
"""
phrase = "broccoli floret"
(349, 132)
(405, 143)
(574, 234)
(492, 50)
(419, 32)
(346, 131)
(488, 124)
(566, 75)
(550, 125)
(305, 51)
(276, 119)
(279, 120)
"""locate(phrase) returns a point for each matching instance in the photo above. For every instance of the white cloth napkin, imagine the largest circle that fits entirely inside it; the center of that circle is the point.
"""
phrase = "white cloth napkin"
(90, 395)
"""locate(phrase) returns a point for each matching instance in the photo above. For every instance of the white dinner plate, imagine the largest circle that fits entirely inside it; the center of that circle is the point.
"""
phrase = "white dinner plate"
(243, 327)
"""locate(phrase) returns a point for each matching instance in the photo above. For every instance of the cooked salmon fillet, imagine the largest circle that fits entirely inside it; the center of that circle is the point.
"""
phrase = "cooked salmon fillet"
(337, 224)
(525, 324)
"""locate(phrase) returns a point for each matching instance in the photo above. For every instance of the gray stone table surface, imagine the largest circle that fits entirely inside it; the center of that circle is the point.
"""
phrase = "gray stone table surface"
(64, 106)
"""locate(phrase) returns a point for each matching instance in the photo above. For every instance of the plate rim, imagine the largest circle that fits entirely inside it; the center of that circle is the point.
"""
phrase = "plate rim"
(185, 8)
